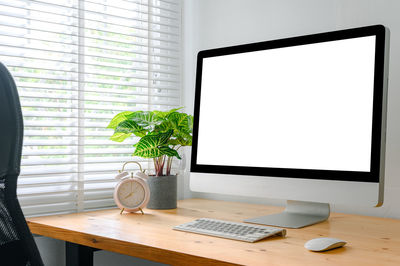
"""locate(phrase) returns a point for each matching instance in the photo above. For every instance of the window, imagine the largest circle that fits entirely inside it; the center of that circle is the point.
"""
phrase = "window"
(76, 64)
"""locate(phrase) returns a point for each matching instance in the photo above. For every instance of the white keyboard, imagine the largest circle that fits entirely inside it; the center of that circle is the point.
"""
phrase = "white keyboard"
(237, 231)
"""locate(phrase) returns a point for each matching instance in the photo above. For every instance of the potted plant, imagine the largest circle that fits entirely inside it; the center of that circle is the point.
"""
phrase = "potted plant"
(161, 135)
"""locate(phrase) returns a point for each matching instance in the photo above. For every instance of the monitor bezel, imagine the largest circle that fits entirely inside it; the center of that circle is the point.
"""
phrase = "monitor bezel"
(379, 75)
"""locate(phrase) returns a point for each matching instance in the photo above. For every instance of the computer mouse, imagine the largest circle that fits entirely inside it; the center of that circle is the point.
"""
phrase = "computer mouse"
(324, 244)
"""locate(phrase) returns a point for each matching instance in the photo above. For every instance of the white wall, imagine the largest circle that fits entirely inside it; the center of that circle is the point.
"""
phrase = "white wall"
(218, 23)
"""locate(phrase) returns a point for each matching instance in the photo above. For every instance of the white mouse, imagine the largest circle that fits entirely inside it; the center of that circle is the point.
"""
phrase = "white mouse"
(324, 244)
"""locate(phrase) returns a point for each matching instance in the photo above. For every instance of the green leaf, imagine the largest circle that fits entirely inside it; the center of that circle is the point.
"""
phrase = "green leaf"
(146, 119)
(182, 124)
(180, 121)
(173, 142)
(190, 122)
(153, 145)
(164, 126)
(165, 150)
(120, 136)
(119, 118)
(184, 138)
(125, 129)
(175, 109)
(163, 114)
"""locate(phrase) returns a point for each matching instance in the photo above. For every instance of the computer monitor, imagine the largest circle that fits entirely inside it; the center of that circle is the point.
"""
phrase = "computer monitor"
(301, 119)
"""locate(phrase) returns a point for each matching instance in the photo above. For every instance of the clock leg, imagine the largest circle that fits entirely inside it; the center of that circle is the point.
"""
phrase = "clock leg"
(141, 210)
(122, 211)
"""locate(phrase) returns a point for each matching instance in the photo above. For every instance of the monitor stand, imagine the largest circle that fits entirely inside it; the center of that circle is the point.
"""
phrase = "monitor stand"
(296, 215)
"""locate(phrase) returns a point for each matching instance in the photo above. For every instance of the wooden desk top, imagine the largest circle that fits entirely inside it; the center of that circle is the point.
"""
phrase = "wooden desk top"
(371, 240)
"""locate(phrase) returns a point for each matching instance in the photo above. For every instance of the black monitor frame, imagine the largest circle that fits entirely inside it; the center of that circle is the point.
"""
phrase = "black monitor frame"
(379, 75)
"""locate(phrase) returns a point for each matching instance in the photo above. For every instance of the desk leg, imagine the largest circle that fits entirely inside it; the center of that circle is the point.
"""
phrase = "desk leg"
(78, 255)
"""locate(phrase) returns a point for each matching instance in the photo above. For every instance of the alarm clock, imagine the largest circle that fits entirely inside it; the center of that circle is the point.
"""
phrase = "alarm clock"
(132, 193)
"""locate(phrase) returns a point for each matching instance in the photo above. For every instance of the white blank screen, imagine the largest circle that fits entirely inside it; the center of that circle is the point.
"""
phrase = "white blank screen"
(302, 107)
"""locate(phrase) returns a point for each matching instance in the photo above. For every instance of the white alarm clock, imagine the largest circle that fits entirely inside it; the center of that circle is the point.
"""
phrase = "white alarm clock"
(132, 193)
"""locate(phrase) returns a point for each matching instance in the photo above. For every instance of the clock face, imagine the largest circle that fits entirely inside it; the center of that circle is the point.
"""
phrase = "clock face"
(131, 193)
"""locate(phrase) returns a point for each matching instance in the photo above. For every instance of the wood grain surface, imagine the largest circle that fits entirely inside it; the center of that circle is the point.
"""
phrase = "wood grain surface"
(371, 240)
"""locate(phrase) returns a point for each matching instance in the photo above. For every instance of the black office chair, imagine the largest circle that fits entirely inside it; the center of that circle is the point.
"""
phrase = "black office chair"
(17, 246)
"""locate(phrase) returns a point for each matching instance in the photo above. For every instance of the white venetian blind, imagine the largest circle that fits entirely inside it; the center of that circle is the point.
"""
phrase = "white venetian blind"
(76, 64)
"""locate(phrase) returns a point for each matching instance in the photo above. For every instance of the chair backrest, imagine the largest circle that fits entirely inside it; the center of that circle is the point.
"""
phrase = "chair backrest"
(17, 246)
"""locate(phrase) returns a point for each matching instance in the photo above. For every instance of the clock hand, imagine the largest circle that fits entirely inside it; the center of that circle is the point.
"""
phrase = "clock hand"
(130, 194)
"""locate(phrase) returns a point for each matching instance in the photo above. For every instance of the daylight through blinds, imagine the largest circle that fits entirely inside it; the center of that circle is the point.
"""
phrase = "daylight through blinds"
(76, 64)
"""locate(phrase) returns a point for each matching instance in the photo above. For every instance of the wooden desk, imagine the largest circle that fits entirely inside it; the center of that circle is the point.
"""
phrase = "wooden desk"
(371, 240)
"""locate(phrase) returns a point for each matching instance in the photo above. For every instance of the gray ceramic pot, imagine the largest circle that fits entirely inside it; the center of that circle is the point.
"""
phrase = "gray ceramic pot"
(163, 192)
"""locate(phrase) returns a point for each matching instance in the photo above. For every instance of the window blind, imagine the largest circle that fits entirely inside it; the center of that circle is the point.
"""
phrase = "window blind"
(76, 64)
